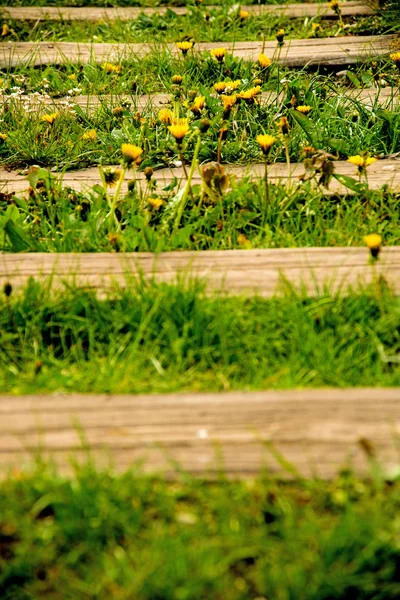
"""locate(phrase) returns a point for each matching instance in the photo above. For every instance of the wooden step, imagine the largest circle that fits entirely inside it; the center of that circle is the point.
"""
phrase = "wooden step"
(262, 272)
(95, 13)
(295, 53)
(317, 431)
(382, 172)
(386, 97)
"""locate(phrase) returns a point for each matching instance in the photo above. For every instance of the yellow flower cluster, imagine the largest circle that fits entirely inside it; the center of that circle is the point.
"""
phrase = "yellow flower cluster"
(50, 118)
(110, 68)
(90, 135)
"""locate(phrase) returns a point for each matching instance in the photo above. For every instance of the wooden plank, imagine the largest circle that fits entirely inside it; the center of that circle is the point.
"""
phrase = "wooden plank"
(382, 172)
(387, 97)
(94, 13)
(262, 272)
(295, 53)
(317, 431)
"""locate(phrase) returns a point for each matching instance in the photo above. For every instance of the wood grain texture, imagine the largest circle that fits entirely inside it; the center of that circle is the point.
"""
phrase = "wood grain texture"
(295, 53)
(387, 97)
(94, 13)
(263, 272)
(317, 431)
(382, 172)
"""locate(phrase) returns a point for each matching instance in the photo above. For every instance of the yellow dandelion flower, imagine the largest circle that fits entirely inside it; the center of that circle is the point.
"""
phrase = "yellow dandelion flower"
(373, 241)
(283, 125)
(334, 5)
(90, 135)
(304, 109)
(130, 154)
(178, 129)
(244, 14)
(3, 136)
(250, 94)
(165, 116)
(155, 203)
(257, 81)
(110, 68)
(264, 61)
(112, 176)
(50, 118)
(177, 79)
(72, 77)
(265, 142)
(198, 104)
(219, 87)
(231, 86)
(5, 29)
(184, 47)
(228, 101)
(280, 36)
(396, 59)
(218, 53)
(361, 162)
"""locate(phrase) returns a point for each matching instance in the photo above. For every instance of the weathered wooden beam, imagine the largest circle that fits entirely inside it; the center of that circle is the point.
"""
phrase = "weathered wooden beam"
(382, 172)
(295, 53)
(264, 272)
(317, 431)
(127, 13)
(386, 97)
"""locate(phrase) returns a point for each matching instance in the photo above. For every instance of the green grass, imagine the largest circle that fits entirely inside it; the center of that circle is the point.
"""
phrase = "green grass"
(31, 141)
(62, 220)
(101, 535)
(164, 338)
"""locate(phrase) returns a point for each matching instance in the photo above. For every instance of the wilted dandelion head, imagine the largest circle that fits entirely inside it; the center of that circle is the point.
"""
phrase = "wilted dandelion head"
(283, 125)
(118, 111)
(131, 154)
(112, 176)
